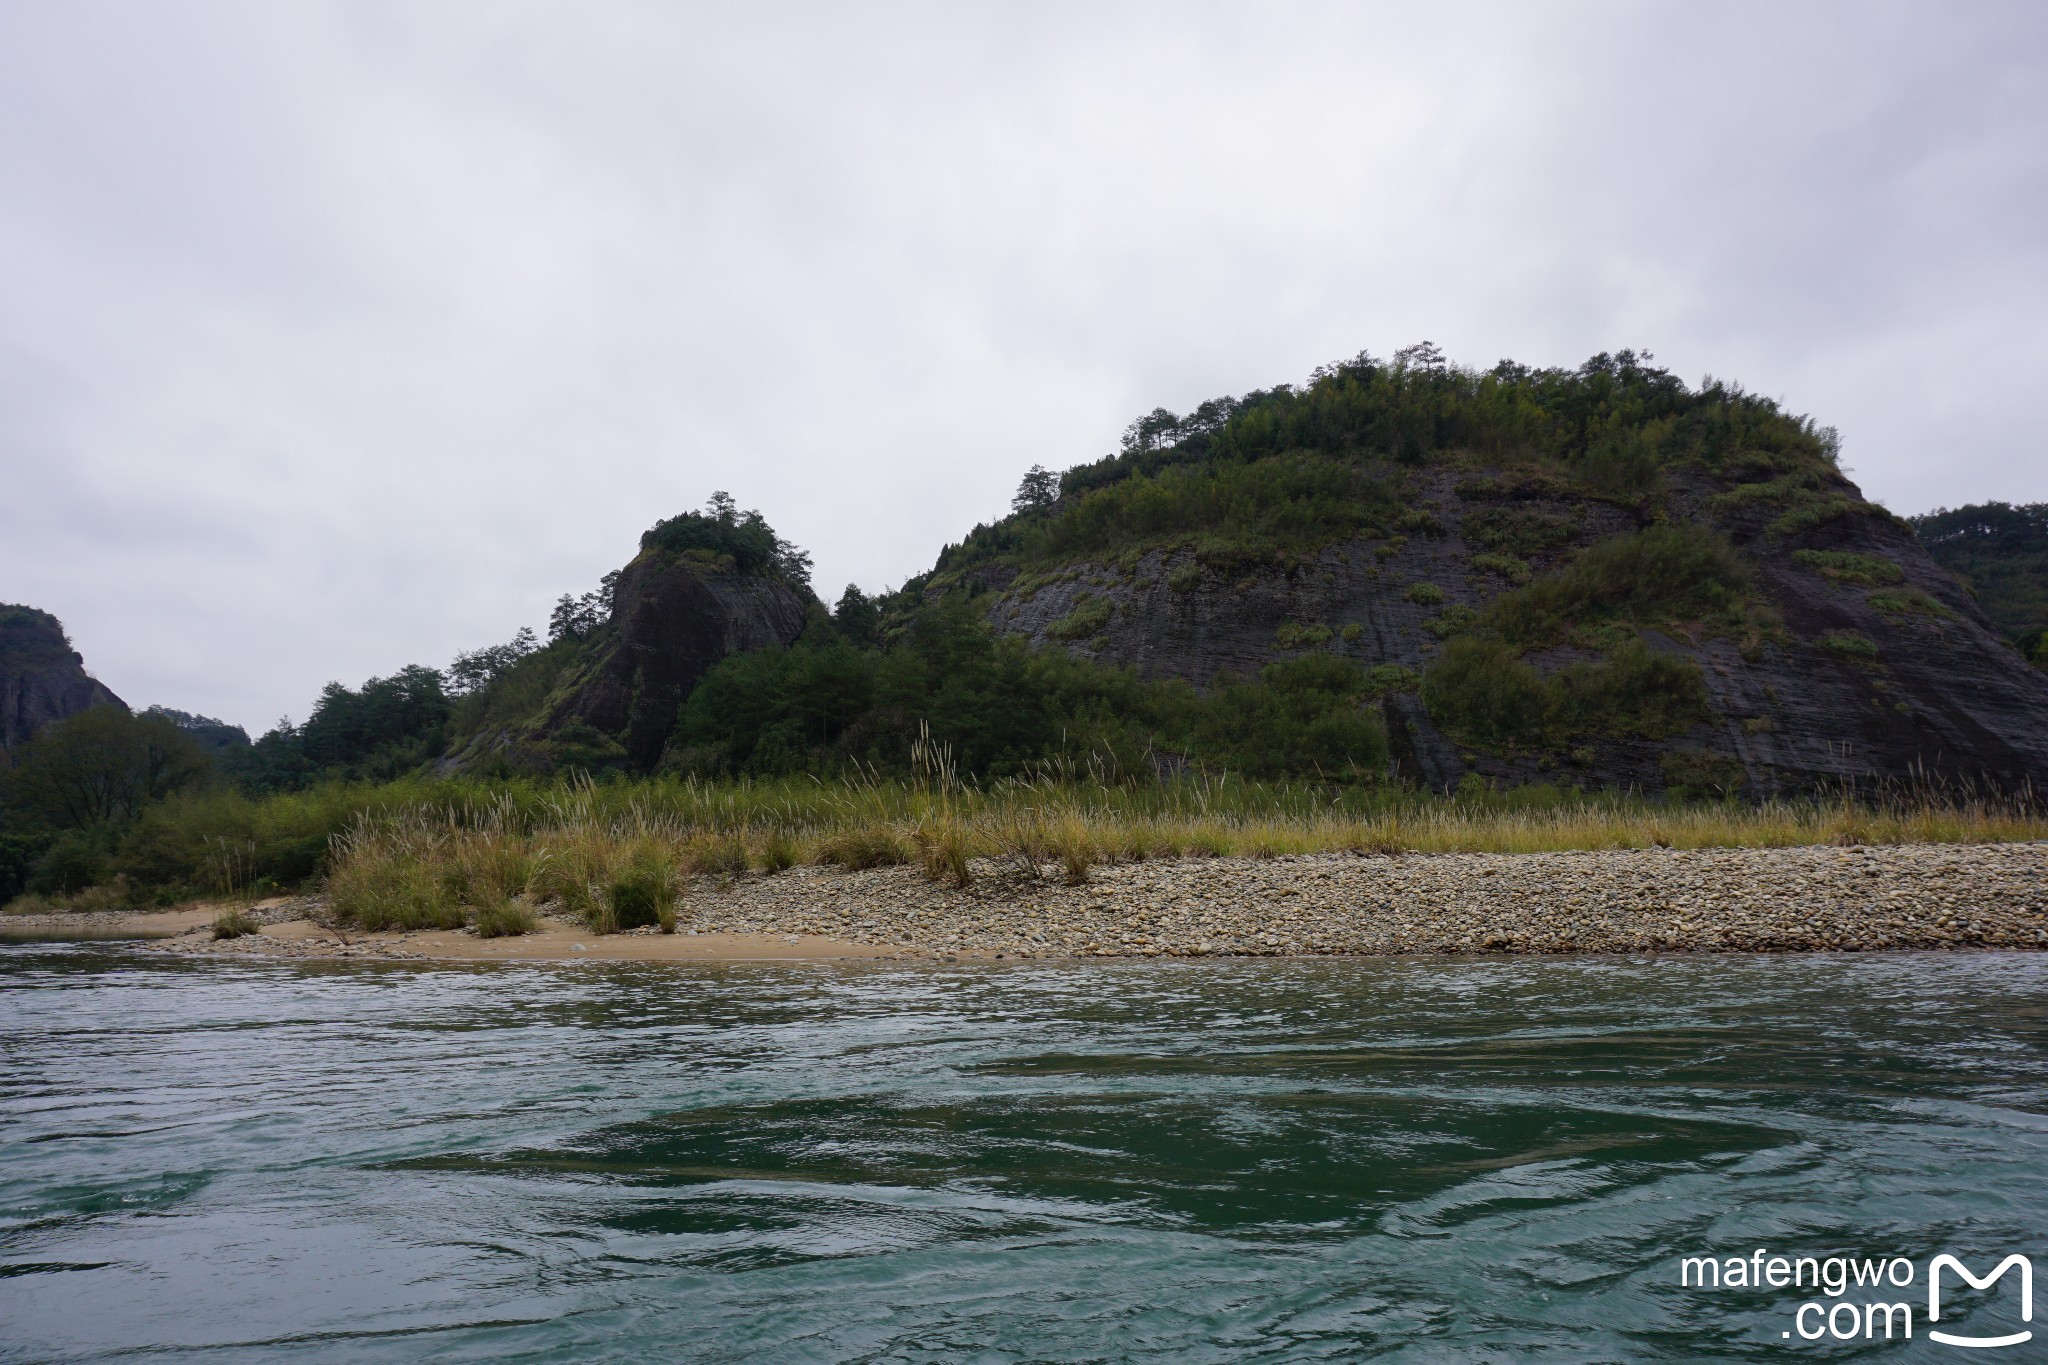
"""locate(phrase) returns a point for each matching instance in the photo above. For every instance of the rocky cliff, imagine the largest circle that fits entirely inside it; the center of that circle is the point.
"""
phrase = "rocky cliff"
(42, 679)
(1841, 652)
(673, 617)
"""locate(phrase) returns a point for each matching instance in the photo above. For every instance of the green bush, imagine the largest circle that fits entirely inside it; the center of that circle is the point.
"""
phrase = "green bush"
(1670, 573)
(1633, 691)
(858, 850)
(1518, 531)
(1424, 594)
(1295, 635)
(507, 919)
(1089, 618)
(1481, 692)
(1907, 604)
(1701, 775)
(1840, 566)
(640, 896)
(1853, 643)
(1514, 570)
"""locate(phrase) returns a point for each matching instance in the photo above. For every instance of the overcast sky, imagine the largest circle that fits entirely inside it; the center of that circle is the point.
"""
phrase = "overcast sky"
(339, 337)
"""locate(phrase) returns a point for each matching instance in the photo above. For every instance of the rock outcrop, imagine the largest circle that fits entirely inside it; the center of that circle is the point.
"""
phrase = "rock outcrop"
(42, 678)
(1895, 676)
(673, 617)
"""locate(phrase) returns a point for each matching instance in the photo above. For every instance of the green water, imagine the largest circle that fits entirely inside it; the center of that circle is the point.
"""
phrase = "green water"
(1261, 1161)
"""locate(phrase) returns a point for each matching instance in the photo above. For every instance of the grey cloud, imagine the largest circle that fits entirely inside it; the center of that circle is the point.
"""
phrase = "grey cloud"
(337, 337)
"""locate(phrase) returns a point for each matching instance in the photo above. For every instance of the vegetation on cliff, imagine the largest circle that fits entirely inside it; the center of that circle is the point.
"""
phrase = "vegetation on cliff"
(2001, 551)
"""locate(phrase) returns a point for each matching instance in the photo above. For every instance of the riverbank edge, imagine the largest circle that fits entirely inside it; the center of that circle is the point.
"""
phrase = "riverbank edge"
(1803, 899)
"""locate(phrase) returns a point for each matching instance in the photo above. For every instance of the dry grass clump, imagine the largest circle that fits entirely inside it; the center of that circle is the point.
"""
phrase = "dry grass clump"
(620, 863)
(234, 923)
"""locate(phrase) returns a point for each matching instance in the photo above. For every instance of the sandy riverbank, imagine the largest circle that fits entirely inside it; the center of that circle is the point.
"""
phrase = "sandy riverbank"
(1649, 900)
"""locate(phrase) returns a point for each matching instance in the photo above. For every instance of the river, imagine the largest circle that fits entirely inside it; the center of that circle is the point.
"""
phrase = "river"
(1272, 1160)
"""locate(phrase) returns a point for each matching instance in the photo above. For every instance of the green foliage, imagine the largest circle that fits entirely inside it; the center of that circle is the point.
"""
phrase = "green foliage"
(1907, 605)
(1813, 510)
(1853, 644)
(99, 767)
(722, 538)
(641, 895)
(1296, 635)
(1507, 566)
(2001, 551)
(235, 924)
(385, 728)
(1424, 594)
(1840, 566)
(1226, 512)
(1302, 716)
(507, 920)
(1673, 573)
(1453, 619)
(1518, 531)
(1352, 633)
(1186, 578)
(1633, 691)
(1089, 618)
(1481, 692)
(1702, 775)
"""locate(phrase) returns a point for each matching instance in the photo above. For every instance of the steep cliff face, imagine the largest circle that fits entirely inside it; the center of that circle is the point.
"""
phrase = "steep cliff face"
(42, 679)
(673, 617)
(1836, 651)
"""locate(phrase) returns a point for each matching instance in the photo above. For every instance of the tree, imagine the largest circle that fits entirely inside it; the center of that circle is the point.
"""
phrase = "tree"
(99, 767)
(479, 668)
(857, 615)
(1039, 490)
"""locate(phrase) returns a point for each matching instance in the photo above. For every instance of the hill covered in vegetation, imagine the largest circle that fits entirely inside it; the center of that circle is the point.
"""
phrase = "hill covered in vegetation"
(1599, 576)
(2001, 553)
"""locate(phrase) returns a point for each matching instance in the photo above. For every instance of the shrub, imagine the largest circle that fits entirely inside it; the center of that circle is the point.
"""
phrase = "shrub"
(1676, 572)
(1514, 570)
(721, 856)
(1480, 692)
(1853, 643)
(859, 849)
(1090, 617)
(1352, 633)
(1840, 566)
(1452, 620)
(1424, 594)
(640, 896)
(1699, 774)
(1904, 605)
(1634, 691)
(1521, 531)
(235, 923)
(1186, 578)
(507, 919)
(1294, 635)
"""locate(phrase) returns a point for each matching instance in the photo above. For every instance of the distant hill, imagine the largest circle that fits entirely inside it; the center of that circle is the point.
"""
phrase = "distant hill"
(2001, 551)
(42, 678)
(1597, 576)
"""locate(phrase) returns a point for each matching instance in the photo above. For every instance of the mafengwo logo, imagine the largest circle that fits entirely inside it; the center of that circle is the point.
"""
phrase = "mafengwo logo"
(1842, 1315)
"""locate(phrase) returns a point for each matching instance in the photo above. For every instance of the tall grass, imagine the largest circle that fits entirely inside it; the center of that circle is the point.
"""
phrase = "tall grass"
(616, 855)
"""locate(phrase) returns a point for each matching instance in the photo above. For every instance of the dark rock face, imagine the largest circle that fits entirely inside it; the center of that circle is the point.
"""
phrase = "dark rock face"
(42, 679)
(672, 619)
(1844, 691)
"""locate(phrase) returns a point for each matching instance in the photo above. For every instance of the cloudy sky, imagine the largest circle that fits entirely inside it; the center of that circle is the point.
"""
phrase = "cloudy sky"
(335, 337)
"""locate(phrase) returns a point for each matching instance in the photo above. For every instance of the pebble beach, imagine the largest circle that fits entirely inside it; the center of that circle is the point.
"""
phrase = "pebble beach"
(1941, 896)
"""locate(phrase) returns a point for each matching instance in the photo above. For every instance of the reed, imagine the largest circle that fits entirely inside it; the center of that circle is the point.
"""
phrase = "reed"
(614, 856)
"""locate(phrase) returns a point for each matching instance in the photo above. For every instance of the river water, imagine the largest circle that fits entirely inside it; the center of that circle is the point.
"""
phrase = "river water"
(1431, 1160)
